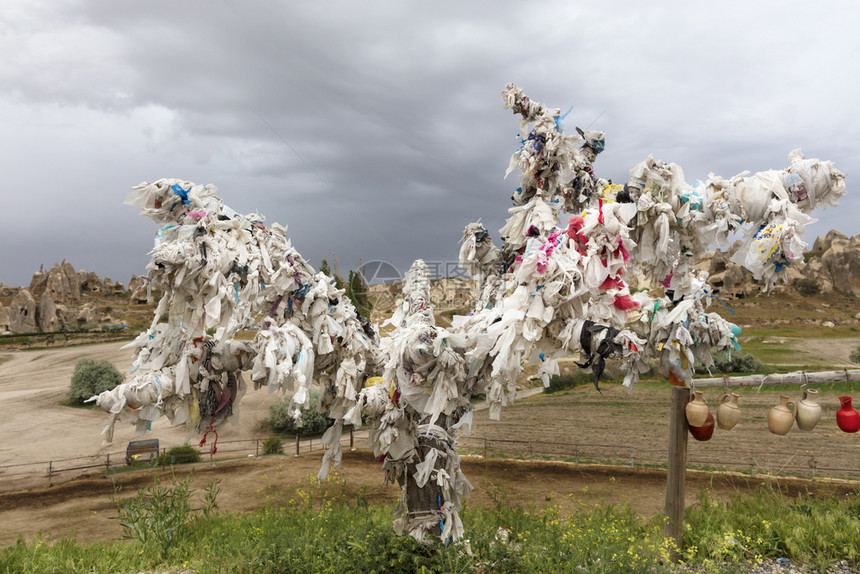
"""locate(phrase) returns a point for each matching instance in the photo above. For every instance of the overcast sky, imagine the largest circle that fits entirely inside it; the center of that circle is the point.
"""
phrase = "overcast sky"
(375, 130)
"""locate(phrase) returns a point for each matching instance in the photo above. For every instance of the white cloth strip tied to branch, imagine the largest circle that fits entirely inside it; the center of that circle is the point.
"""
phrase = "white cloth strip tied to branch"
(656, 222)
(220, 272)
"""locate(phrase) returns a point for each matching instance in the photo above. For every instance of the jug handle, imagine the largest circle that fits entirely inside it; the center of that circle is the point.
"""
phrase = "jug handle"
(793, 405)
(724, 398)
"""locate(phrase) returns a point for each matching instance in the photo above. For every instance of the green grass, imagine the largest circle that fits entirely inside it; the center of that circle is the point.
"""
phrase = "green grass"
(805, 332)
(317, 528)
(771, 524)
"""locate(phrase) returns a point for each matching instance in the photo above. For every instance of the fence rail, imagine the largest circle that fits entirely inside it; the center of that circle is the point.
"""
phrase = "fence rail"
(802, 464)
(16, 476)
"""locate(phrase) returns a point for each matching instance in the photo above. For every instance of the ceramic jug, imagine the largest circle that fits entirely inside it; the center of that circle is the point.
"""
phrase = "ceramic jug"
(847, 417)
(697, 410)
(704, 432)
(780, 418)
(728, 413)
(808, 411)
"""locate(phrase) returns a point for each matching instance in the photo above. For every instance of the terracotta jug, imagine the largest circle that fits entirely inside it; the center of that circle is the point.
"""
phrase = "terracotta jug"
(808, 411)
(847, 417)
(704, 432)
(780, 418)
(728, 413)
(697, 410)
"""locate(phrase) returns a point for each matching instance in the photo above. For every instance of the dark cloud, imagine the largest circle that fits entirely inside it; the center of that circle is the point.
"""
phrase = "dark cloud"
(375, 130)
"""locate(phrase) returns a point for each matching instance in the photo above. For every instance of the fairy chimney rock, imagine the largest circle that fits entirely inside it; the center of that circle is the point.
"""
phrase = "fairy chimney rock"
(5, 319)
(48, 313)
(23, 313)
(73, 280)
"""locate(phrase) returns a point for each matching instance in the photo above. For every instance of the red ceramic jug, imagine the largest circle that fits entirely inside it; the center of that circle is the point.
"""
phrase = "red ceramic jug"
(847, 416)
(706, 431)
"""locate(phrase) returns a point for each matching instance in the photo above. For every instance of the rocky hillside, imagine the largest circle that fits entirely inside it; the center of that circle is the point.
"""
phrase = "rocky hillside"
(62, 299)
(833, 264)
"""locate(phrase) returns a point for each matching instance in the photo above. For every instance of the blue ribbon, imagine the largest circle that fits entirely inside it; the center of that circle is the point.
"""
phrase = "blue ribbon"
(560, 119)
(724, 305)
(183, 195)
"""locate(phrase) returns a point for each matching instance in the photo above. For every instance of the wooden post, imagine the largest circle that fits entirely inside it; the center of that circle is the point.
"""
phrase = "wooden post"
(351, 440)
(257, 447)
(50, 471)
(107, 463)
(297, 445)
(676, 477)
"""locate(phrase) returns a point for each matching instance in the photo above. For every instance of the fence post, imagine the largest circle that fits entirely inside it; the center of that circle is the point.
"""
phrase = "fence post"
(351, 440)
(50, 471)
(107, 463)
(676, 477)
(210, 453)
(576, 454)
(257, 447)
(297, 446)
(631, 457)
(531, 452)
(485, 448)
(752, 466)
(812, 464)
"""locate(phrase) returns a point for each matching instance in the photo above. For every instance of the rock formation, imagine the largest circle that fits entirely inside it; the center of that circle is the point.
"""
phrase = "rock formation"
(833, 263)
(22, 313)
(5, 320)
(48, 320)
(87, 315)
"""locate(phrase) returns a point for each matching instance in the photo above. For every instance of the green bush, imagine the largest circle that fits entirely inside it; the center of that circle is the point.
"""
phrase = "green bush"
(855, 355)
(807, 287)
(737, 362)
(273, 445)
(92, 377)
(184, 454)
(561, 382)
(313, 421)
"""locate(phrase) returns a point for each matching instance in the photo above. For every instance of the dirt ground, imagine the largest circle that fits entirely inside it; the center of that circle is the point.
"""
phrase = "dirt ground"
(35, 428)
(82, 507)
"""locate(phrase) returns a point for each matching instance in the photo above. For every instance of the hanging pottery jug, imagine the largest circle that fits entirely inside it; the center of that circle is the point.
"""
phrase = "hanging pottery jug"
(780, 418)
(704, 432)
(847, 416)
(808, 411)
(728, 413)
(697, 410)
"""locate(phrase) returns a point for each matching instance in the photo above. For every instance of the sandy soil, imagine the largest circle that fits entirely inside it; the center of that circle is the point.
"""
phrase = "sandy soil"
(35, 428)
(833, 351)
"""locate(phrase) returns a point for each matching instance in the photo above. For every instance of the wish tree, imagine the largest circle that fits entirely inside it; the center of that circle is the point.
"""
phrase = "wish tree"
(549, 290)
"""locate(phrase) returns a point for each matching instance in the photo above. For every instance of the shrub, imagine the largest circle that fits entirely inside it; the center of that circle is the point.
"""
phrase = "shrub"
(313, 421)
(561, 382)
(92, 377)
(273, 445)
(184, 454)
(855, 355)
(738, 362)
(807, 287)
(159, 516)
